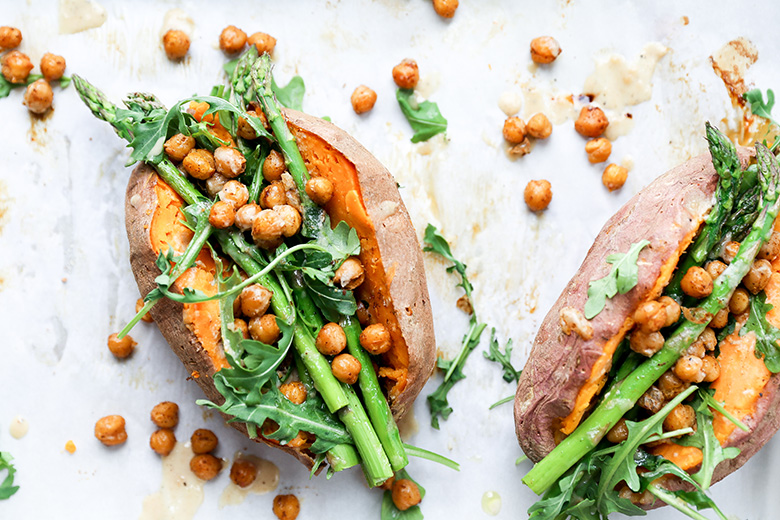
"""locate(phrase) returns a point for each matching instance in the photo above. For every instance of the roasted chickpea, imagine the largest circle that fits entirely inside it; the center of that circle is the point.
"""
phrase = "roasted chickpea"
(331, 339)
(346, 368)
(715, 268)
(711, 368)
(614, 177)
(362, 313)
(264, 42)
(730, 251)
(740, 301)
(319, 189)
(545, 49)
(162, 441)
(514, 130)
(121, 348)
(598, 150)
(758, 276)
(176, 44)
(291, 218)
(696, 349)
(618, 433)
(538, 194)
(267, 229)
(203, 441)
(264, 329)
(245, 216)
(689, 369)
(234, 193)
(38, 97)
(405, 494)
(241, 326)
(255, 300)
(16, 67)
(650, 316)
(375, 339)
(572, 320)
(10, 37)
(286, 507)
(652, 400)
(222, 215)
(646, 343)
(243, 472)
(273, 195)
(696, 283)
(363, 99)
(178, 146)
(294, 391)
(52, 66)
(387, 485)
(205, 466)
(539, 127)
(165, 414)
(708, 339)
(274, 166)
(350, 274)
(232, 39)
(215, 183)
(199, 163)
(671, 385)
(406, 74)
(592, 122)
(721, 319)
(672, 310)
(139, 304)
(229, 162)
(445, 8)
(681, 416)
(244, 129)
(110, 430)
(644, 499)
(771, 248)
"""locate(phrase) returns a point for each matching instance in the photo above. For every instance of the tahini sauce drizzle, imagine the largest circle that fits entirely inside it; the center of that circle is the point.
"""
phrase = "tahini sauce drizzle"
(267, 480)
(177, 20)
(18, 427)
(181, 492)
(80, 15)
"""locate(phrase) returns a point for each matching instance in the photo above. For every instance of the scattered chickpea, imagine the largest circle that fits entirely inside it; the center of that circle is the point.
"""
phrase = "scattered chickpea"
(406, 74)
(711, 368)
(264, 329)
(697, 283)
(545, 49)
(730, 251)
(255, 300)
(70, 447)
(176, 44)
(331, 339)
(162, 441)
(52, 66)
(267, 229)
(363, 99)
(650, 316)
(294, 391)
(721, 319)
(199, 163)
(16, 67)
(178, 146)
(346, 368)
(758, 276)
(274, 166)
(286, 507)
(689, 369)
(320, 190)
(243, 472)
(234, 193)
(514, 130)
(681, 416)
(222, 215)
(572, 319)
(652, 400)
(740, 301)
(771, 248)
(671, 385)
(598, 150)
(672, 310)
(245, 216)
(350, 274)
(139, 304)
(229, 162)
(375, 339)
(165, 415)
(715, 268)
(121, 348)
(242, 327)
(38, 97)
(445, 8)
(539, 127)
(538, 194)
(646, 343)
(10, 37)
(203, 441)
(264, 42)
(614, 177)
(205, 466)
(618, 433)
(215, 183)
(405, 494)
(592, 122)
(273, 195)
(110, 430)
(232, 39)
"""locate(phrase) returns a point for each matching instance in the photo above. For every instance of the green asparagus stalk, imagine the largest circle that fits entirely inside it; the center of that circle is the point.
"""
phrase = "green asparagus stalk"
(376, 466)
(624, 395)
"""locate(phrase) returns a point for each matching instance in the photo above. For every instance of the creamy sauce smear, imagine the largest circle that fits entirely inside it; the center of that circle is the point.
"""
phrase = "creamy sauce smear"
(18, 427)
(181, 492)
(491, 503)
(267, 480)
(80, 15)
(177, 20)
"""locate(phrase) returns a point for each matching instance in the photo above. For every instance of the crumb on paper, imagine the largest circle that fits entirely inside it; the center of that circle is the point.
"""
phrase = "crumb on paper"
(70, 447)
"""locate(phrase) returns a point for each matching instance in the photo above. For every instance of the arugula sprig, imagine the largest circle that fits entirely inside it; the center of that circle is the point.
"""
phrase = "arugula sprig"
(7, 488)
(767, 336)
(424, 118)
(391, 512)
(622, 278)
(6, 86)
(502, 358)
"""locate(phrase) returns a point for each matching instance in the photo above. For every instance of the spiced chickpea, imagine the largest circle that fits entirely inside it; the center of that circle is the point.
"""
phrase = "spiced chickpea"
(232, 39)
(222, 215)
(165, 414)
(740, 301)
(291, 218)
(538, 194)
(52, 66)
(362, 313)
(286, 507)
(681, 416)
(350, 274)
(38, 97)
(375, 339)
(598, 150)
(591, 122)
(363, 99)
(514, 130)
(696, 349)
(320, 190)
(199, 163)
(139, 304)
(264, 42)
(387, 485)
(274, 166)
(405, 494)
(255, 300)
(730, 251)
(708, 339)
(121, 348)
(264, 329)
(215, 183)
(618, 433)
(711, 368)
(203, 441)
(16, 67)
(244, 129)
(721, 319)
(241, 326)
(643, 499)
(234, 193)
(614, 177)
(406, 74)
(445, 8)
(758, 276)
(715, 268)
(267, 229)
(689, 369)
(346, 368)
(110, 430)
(331, 339)
(539, 127)
(10, 37)
(652, 400)
(573, 320)
(672, 310)
(671, 385)
(545, 49)
(229, 162)
(294, 391)
(646, 343)
(245, 216)
(696, 282)
(771, 248)
(162, 441)
(273, 195)
(243, 472)
(205, 466)
(650, 316)
(178, 146)
(176, 44)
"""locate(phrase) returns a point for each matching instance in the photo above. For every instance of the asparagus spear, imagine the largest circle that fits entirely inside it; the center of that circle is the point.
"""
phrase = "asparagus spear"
(624, 394)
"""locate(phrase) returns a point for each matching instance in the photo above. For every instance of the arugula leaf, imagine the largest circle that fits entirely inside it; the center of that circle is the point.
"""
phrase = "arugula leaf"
(757, 104)
(502, 358)
(331, 300)
(340, 242)
(6, 86)
(425, 118)
(7, 488)
(767, 335)
(436, 243)
(622, 278)
(291, 95)
(390, 512)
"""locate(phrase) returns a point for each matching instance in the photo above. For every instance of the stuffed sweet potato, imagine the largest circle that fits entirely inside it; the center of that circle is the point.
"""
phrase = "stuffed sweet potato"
(655, 363)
